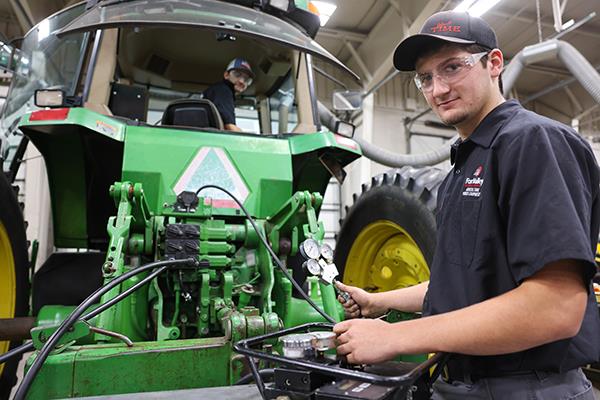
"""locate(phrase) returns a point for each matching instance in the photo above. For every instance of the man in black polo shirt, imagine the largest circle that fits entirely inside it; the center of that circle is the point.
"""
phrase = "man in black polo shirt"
(510, 294)
(236, 79)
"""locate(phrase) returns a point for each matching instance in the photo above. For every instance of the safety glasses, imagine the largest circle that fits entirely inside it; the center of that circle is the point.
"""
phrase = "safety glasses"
(448, 72)
(240, 75)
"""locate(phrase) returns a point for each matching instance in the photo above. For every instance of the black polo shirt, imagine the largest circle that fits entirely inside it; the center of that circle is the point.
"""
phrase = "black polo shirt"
(523, 193)
(222, 94)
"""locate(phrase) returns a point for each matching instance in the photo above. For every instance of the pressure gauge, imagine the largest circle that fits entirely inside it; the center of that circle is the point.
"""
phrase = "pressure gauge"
(297, 345)
(327, 252)
(310, 249)
(313, 267)
(323, 341)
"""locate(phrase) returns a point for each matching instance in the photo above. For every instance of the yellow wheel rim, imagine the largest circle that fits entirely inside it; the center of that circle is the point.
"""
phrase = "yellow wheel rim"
(385, 257)
(7, 284)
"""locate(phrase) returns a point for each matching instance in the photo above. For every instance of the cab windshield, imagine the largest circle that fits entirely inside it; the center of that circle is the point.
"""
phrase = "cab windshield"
(163, 74)
(44, 61)
(274, 114)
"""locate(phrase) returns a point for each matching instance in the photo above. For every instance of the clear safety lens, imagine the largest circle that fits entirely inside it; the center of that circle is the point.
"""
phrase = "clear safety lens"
(449, 71)
(242, 75)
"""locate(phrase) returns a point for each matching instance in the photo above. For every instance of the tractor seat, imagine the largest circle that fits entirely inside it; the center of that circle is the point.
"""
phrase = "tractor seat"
(194, 113)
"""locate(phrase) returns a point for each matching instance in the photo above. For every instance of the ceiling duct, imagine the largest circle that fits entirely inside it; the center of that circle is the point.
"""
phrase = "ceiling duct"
(575, 62)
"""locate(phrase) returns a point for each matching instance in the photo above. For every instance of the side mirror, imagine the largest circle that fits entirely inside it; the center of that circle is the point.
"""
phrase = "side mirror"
(55, 98)
(347, 100)
(49, 98)
(345, 129)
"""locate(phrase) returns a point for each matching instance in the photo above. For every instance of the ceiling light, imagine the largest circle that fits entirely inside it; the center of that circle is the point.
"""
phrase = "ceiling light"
(325, 10)
(476, 8)
(567, 24)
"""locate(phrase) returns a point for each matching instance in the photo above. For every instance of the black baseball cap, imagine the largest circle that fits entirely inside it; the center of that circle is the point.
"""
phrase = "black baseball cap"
(448, 26)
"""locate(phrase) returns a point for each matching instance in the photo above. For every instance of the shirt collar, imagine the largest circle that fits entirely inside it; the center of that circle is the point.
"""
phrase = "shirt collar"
(454, 150)
(229, 85)
(487, 129)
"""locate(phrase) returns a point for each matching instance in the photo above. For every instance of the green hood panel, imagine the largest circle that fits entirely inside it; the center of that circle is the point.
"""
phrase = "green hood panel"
(85, 152)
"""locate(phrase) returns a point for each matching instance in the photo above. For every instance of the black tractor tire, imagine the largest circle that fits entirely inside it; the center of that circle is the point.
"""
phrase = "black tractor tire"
(393, 214)
(13, 263)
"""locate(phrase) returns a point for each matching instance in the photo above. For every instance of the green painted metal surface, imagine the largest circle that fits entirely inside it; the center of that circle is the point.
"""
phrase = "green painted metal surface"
(185, 160)
(83, 156)
(147, 366)
(81, 117)
(86, 152)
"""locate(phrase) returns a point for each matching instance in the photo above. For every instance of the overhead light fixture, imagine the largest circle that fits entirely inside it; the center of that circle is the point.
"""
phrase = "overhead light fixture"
(567, 24)
(476, 8)
(324, 9)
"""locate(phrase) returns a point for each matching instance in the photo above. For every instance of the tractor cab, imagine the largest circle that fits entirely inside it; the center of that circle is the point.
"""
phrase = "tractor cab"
(139, 66)
(132, 59)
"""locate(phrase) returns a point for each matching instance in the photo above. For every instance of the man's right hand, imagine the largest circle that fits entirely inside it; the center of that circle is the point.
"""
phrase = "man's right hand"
(361, 303)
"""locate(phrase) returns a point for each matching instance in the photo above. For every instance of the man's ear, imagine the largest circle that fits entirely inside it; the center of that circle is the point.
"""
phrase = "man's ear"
(226, 75)
(496, 59)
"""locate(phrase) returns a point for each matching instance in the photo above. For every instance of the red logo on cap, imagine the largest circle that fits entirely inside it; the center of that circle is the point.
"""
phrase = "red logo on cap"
(445, 27)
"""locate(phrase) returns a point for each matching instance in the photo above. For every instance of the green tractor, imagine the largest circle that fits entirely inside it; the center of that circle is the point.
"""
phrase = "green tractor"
(108, 92)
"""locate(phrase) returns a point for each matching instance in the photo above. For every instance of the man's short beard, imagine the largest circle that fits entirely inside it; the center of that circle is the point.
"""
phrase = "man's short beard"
(455, 120)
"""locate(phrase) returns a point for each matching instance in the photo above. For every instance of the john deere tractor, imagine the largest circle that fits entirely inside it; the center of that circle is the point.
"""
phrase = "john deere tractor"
(184, 238)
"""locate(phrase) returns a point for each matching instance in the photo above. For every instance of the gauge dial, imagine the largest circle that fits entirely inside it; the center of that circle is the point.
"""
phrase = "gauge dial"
(327, 252)
(313, 267)
(310, 249)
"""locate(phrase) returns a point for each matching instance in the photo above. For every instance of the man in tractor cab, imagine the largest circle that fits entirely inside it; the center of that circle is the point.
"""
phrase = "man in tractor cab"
(510, 293)
(236, 79)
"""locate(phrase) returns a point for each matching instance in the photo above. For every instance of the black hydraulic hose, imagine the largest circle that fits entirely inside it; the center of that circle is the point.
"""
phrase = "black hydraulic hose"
(17, 351)
(76, 314)
(248, 378)
(259, 382)
(271, 252)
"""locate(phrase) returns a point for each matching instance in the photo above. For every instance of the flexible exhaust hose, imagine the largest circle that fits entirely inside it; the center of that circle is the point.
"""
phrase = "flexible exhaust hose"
(385, 157)
(575, 62)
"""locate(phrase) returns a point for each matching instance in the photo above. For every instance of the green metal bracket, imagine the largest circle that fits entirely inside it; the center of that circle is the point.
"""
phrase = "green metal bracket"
(165, 332)
(265, 268)
(203, 307)
(40, 335)
(330, 304)
(118, 230)
(130, 232)
(228, 288)
(314, 229)
(300, 210)
(140, 210)
(132, 214)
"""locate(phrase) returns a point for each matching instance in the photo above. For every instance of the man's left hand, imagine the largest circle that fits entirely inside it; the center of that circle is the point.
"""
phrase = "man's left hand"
(365, 341)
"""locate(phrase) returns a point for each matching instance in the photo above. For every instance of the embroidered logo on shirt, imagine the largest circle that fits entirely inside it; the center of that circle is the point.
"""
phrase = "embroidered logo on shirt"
(472, 186)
